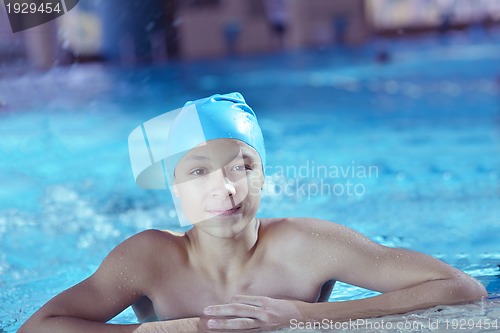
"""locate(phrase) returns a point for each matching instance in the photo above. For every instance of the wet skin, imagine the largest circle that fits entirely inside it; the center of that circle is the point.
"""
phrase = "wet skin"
(230, 252)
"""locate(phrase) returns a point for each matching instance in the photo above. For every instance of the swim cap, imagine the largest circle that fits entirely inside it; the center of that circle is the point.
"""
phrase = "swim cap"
(159, 144)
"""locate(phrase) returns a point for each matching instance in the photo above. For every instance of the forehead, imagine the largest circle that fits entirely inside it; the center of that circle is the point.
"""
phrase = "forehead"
(221, 149)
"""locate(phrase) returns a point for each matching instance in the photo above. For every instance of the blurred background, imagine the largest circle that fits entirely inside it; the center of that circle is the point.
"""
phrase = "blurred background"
(156, 31)
(411, 87)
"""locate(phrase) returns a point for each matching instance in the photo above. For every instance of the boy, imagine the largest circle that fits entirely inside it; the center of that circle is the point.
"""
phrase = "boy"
(232, 270)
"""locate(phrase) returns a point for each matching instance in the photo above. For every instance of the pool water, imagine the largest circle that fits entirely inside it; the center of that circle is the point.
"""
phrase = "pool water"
(427, 122)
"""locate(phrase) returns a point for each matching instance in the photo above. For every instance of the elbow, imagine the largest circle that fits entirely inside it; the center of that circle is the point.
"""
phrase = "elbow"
(476, 292)
(467, 290)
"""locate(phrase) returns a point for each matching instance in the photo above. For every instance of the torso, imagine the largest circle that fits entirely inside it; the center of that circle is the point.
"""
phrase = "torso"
(276, 270)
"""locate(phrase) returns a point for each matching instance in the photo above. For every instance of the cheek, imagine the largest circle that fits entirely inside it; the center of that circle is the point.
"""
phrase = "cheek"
(241, 187)
(249, 185)
(255, 183)
(251, 189)
(191, 201)
(189, 192)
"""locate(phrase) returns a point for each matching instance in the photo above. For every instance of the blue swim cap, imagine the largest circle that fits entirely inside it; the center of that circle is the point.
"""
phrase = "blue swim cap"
(160, 143)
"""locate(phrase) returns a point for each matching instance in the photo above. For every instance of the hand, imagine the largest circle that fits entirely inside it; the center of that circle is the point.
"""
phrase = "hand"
(251, 313)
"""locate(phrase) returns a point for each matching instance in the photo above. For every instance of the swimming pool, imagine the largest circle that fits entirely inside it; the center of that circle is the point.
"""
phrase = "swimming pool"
(427, 123)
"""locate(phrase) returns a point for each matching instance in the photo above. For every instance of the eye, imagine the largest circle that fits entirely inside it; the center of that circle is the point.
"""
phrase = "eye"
(242, 167)
(198, 172)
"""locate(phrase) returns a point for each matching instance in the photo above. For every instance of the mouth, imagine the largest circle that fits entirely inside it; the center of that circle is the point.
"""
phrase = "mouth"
(225, 212)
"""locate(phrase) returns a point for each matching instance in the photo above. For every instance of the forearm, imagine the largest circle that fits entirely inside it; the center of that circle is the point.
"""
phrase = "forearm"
(76, 325)
(421, 296)
(186, 325)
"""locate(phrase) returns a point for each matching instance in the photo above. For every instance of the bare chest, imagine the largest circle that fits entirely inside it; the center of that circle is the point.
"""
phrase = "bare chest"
(189, 294)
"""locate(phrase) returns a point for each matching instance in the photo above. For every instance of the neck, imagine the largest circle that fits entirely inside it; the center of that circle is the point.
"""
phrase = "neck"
(223, 258)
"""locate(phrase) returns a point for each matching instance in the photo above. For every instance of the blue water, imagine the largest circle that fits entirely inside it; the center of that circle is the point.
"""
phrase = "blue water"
(428, 121)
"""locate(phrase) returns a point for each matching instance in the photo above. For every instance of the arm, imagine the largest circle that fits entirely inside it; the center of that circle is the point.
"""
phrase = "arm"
(121, 280)
(407, 279)
(66, 324)
(421, 296)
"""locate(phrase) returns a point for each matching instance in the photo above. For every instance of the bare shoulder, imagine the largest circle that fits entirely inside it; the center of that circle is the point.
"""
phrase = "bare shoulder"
(305, 227)
(292, 233)
(139, 256)
(149, 239)
(310, 236)
(145, 246)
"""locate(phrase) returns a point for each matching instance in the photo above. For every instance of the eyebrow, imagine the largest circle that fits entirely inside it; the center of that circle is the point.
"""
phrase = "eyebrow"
(204, 158)
(196, 157)
(246, 156)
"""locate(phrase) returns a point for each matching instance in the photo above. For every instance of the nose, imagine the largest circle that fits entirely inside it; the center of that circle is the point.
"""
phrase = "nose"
(222, 186)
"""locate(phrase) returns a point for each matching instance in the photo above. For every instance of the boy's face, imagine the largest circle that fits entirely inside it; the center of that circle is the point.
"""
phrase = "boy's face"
(219, 183)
